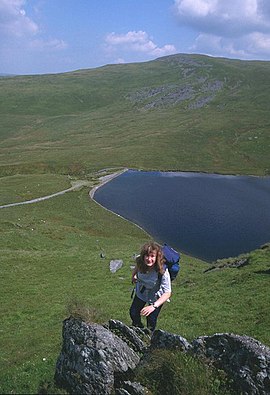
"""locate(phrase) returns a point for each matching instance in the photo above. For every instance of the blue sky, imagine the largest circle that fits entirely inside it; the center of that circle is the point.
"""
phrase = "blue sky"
(52, 36)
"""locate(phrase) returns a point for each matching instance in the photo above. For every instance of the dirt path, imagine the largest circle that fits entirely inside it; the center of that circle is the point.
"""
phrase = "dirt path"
(76, 186)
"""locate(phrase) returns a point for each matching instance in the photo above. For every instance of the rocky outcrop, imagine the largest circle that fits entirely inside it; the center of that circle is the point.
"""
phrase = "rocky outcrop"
(231, 263)
(243, 358)
(100, 359)
(91, 357)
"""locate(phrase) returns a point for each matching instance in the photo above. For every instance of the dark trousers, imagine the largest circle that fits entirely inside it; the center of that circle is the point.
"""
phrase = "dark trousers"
(135, 314)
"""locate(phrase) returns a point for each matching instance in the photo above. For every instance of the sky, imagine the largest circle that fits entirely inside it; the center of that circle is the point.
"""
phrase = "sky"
(54, 36)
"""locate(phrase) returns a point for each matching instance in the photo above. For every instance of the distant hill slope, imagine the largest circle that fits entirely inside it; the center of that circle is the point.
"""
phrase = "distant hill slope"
(183, 112)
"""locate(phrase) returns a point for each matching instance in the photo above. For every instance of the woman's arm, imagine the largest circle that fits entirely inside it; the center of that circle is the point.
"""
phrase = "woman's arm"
(134, 275)
(162, 299)
(147, 310)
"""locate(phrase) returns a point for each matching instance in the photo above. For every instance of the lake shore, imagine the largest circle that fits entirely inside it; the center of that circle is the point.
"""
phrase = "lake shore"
(104, 179)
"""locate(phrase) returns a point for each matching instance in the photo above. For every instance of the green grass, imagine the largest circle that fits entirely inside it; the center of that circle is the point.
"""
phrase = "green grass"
(50, 257)
(19, 188)
(59, 128)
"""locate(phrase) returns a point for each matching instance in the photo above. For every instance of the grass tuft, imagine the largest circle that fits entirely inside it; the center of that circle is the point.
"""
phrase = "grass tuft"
(167, 372)
(89, 314)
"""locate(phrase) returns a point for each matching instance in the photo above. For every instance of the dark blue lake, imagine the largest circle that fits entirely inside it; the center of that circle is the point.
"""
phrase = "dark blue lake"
(205, 215)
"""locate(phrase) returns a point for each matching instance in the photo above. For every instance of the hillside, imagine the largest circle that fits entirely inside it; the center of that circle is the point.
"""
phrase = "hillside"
(182, 112)
(195, 112)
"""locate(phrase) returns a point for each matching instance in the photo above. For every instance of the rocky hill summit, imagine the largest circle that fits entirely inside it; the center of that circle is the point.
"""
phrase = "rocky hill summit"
(101, 359)
(195, 85)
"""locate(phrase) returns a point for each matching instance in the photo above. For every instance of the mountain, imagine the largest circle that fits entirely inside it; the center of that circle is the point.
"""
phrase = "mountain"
(6, 75)
(196, 113)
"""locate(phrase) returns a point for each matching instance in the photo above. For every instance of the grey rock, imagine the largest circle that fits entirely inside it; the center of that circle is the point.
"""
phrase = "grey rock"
(244, 359)
(200, 102)
(115, 265)
(91, 356)
(170, 341)
(130, 388)
(129, 335)
(235, 263)
(121, 391)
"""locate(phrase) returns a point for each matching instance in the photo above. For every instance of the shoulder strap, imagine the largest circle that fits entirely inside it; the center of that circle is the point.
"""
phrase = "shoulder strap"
(160, 277)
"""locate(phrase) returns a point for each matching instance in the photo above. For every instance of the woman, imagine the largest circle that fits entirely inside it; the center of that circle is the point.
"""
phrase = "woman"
(153, 286)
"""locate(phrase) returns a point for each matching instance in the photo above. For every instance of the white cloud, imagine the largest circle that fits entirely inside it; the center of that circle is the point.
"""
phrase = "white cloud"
(130, 37)
(251, 46)
(233, 28)
(14, 21)
(195, 8)
(53, 44)
(228, 18)
(137, 41)
(119, 61)
(21, 36)
(259, 41)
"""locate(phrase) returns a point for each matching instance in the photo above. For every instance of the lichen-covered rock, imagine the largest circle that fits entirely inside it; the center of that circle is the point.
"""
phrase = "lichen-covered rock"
(91, 355)
(129, 335)
(170, 341)
(129, 388)
(243, 358)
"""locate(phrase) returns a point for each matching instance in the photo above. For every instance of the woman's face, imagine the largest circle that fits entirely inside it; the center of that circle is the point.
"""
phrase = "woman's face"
(150, 259)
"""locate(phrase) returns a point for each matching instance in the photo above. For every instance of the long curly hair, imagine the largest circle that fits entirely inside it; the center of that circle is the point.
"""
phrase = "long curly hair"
(147, 249)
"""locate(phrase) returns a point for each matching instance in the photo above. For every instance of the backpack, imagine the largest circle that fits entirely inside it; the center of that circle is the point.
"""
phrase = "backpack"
(172, 259)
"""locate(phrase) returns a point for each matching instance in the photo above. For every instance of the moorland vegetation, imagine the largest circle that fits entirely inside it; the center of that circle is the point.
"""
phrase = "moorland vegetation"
(182, 112)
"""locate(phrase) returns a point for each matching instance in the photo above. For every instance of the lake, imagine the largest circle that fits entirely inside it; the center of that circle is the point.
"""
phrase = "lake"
(208, 216)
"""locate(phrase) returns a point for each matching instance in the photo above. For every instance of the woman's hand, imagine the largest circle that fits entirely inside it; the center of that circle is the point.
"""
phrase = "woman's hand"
(134, 278)
(147, 310)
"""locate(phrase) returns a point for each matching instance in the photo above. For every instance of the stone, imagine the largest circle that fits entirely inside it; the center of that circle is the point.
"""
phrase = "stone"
(91, 356)
(236, 263)
(115, 265)
(244, 359)
(129, 335)
(169, 341)
(129, 388)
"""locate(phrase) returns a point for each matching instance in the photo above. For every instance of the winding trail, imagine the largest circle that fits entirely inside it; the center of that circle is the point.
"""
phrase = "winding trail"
(77, 185)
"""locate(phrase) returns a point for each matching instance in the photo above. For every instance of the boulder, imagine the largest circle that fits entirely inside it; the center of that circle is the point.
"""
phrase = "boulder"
(115, 265)
(245, 360)
(169, 341)
(91, 356)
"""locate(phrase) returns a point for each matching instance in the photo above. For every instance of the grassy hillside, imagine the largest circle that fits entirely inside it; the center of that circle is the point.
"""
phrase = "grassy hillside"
(179, 112)
(50, 260)
(195, 112)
